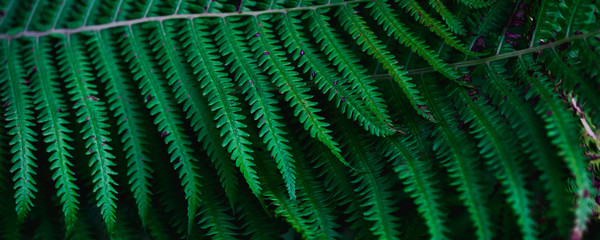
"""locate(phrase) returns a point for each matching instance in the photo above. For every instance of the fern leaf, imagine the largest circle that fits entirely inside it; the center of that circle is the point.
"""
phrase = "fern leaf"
(290, 85)
(366, 38)
(215, 214)
(439, 29)
(530, 130)
(582, 86)
(121, 100)
(314, 199)
(284, 206)
(418, 180)
(448, 16)
(202, 55)
(42, 16)
(489, 128)
(259, 94)
(173, 205)
(91, 114)
(561, 127)
(167, 121)
(384, 16)
(459, 157)
(338, 182)
(18, 104)
(301, 49)
(373, 186)
(171, 58)
(9, 225)
(53, 111)
(338, 53)
(16, 11)
(257, 224)
(60, 19)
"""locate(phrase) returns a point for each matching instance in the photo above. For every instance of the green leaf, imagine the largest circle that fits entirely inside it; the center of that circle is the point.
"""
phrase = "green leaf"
(48, 100)
(18, 112)
(75, 70)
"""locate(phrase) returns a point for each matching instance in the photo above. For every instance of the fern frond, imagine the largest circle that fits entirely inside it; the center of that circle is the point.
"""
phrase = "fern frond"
(354, 25)
(347, 64)
(459, 157)
(439, 29)
(301, 49)
(339, 184)
(418, 179)
(121, 100)
(18, 105)
(78, 14)
(215, 215)
(166, 120)
(201, 53)
(16, 11)
(580, 84)
(373, 186)
(315, 200)
(411, 157)
(91, 114)
(42, 17)
(530, 131)
(261, 99)
(486, 23)
(265, 119)
(384, 16)
(258, 224)
(296, 216)
(53, 111)
(171, 56)
(273, 60)
(448, 16)
(173, 205)
(61, 18)
(561, 128)
(10, 227)
(489, 128)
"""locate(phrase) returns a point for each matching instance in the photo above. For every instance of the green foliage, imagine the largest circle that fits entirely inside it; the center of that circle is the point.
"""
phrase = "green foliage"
(358, 119)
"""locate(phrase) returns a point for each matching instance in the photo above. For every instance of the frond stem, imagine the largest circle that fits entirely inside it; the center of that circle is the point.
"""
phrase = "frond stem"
(518, 53)
(162, 18)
